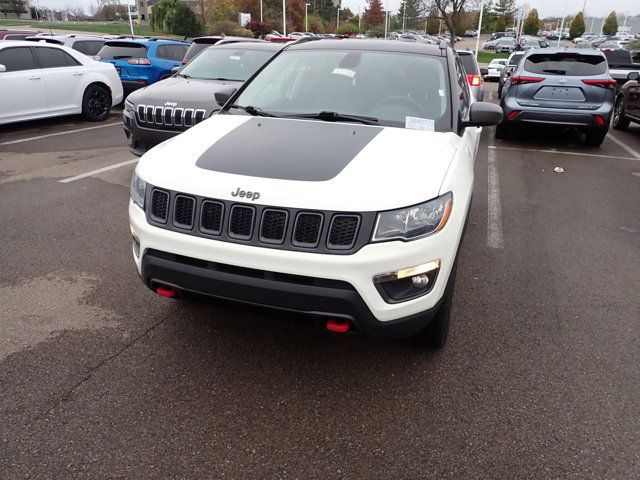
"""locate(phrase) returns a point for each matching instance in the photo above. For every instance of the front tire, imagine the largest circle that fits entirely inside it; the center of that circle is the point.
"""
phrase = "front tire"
(96, 103)
(594, 138)
(435, 334)
(620, 120)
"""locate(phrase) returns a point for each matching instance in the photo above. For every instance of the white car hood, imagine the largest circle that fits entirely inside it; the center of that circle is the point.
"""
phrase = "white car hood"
(303, 163)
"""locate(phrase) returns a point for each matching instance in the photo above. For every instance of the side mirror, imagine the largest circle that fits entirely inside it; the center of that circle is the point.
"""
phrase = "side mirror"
(484, 114)
(633, 76)
(175, 70)
(224, 94)
(2, 68)
(484, 71)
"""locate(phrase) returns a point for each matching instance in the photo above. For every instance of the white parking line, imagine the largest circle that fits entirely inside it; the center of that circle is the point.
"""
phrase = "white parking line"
(31, 139)
(624, 146)
(99, 170)
(494, 217)
(561, 152)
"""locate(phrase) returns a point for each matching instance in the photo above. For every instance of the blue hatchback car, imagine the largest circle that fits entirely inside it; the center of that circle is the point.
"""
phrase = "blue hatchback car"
(142, 61)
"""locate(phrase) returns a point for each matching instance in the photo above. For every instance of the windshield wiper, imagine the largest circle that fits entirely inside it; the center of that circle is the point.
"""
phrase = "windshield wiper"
(336, 117)
(222, 79)
(184, 75)
(255, 111)
(558, 72)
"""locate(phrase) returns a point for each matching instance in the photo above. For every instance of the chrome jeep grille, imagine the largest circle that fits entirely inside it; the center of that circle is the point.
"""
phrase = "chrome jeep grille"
(171, 118)
(326, 232)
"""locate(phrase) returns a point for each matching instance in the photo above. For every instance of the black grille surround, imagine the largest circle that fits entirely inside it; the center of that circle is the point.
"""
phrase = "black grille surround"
(326, 232)
(168, 118)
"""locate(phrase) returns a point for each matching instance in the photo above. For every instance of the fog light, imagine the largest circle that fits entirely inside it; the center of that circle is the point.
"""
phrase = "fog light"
(420, 281)
(408, 283)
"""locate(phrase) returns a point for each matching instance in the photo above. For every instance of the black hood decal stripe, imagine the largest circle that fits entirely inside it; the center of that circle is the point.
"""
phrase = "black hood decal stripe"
(288, 149)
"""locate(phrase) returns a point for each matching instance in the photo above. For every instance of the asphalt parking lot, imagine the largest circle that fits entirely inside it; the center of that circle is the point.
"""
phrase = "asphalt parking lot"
(100, 378)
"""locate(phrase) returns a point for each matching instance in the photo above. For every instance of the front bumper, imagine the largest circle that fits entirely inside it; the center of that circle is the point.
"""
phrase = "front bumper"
(185, 262)
(141, 139)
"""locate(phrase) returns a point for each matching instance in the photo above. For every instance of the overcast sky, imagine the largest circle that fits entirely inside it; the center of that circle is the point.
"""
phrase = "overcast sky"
(545, 7)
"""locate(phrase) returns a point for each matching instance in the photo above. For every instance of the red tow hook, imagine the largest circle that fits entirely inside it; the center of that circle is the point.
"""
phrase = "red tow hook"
(168, 292)
(338, 326)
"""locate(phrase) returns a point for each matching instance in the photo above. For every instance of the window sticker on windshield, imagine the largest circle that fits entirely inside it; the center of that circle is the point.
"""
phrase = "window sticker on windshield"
(234, 57)
(416, 123)
(344, 71)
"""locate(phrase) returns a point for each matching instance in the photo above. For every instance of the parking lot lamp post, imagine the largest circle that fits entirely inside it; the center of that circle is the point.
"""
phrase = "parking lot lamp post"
(130, 21)
(564, 14)
(260, 11)
(284, 18)
(306, 18)
(404, 16)
(479, 28)
(338, 19)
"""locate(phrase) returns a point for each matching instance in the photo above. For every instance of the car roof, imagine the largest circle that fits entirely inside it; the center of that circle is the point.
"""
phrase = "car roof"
(577, 51)
(145, 41)
(26, 43)
(271, 46)
(365, 45)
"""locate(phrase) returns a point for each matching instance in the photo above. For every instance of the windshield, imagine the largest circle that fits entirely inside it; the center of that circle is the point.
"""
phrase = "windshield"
(386, 86)
(226, 63)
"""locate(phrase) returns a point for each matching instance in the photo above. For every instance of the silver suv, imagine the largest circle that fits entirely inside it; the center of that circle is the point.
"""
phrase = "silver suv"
(563, 88)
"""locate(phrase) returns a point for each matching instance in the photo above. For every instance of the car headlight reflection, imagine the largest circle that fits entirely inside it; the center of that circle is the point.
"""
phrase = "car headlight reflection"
(128, 106)
(138, 190)
(414, 222)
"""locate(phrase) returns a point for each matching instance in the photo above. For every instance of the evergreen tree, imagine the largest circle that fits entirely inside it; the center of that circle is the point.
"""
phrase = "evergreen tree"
(532, 23)
(505, 9)
(184, 22)
(163, 14)
(500, 25)
(412, 17)
(374, 14)
(577, 27)
(611, 24)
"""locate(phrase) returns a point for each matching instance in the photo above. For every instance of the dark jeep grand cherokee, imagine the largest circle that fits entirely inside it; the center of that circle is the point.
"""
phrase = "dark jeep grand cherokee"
(169, 107)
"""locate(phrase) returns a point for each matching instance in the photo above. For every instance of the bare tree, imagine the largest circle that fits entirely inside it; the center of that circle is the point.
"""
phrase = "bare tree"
(451, 12)
(204, 8)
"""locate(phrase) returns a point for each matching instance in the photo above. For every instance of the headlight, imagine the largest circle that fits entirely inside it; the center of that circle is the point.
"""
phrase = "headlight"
(128, 106)
(414, 222)
(138, 189)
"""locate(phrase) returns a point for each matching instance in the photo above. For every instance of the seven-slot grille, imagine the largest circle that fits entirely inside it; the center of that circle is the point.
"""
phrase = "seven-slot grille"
(161, 117)
(292, 229)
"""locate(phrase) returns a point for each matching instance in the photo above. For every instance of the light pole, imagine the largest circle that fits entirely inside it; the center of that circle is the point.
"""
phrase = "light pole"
(479, 28)
(386, 16)
(404, 15)
(306, 17)
(260, 11)
(284, 18)
(130, 21)
(564, 14)
(359, 19)
(338, 19)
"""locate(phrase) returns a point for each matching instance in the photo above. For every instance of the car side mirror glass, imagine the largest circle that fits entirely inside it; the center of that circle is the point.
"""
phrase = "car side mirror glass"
(2, 68)
(484, 114)
(632, 75)
(175, 70)
(224, 94)
(484, 71)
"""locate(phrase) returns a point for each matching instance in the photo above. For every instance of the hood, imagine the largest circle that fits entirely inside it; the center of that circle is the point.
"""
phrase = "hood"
(303, 163)
(184, 92)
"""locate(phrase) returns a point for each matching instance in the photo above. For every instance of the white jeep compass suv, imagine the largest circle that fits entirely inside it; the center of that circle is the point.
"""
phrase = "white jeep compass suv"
(335, 182)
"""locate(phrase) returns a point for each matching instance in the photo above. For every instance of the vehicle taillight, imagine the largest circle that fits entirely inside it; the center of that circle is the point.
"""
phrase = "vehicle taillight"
(138, 61)
(610, 83)
(474, 80)
(519, 80)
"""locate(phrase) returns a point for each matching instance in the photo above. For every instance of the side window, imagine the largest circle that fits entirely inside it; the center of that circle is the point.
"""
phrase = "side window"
(17, 59)
(54, 58)
(88, 47)
(465, 94)
(172, 52)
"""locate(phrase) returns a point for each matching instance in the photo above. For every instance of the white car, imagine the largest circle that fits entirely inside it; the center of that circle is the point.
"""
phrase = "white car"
(337, 183)
(494, 68)
(43, 80)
